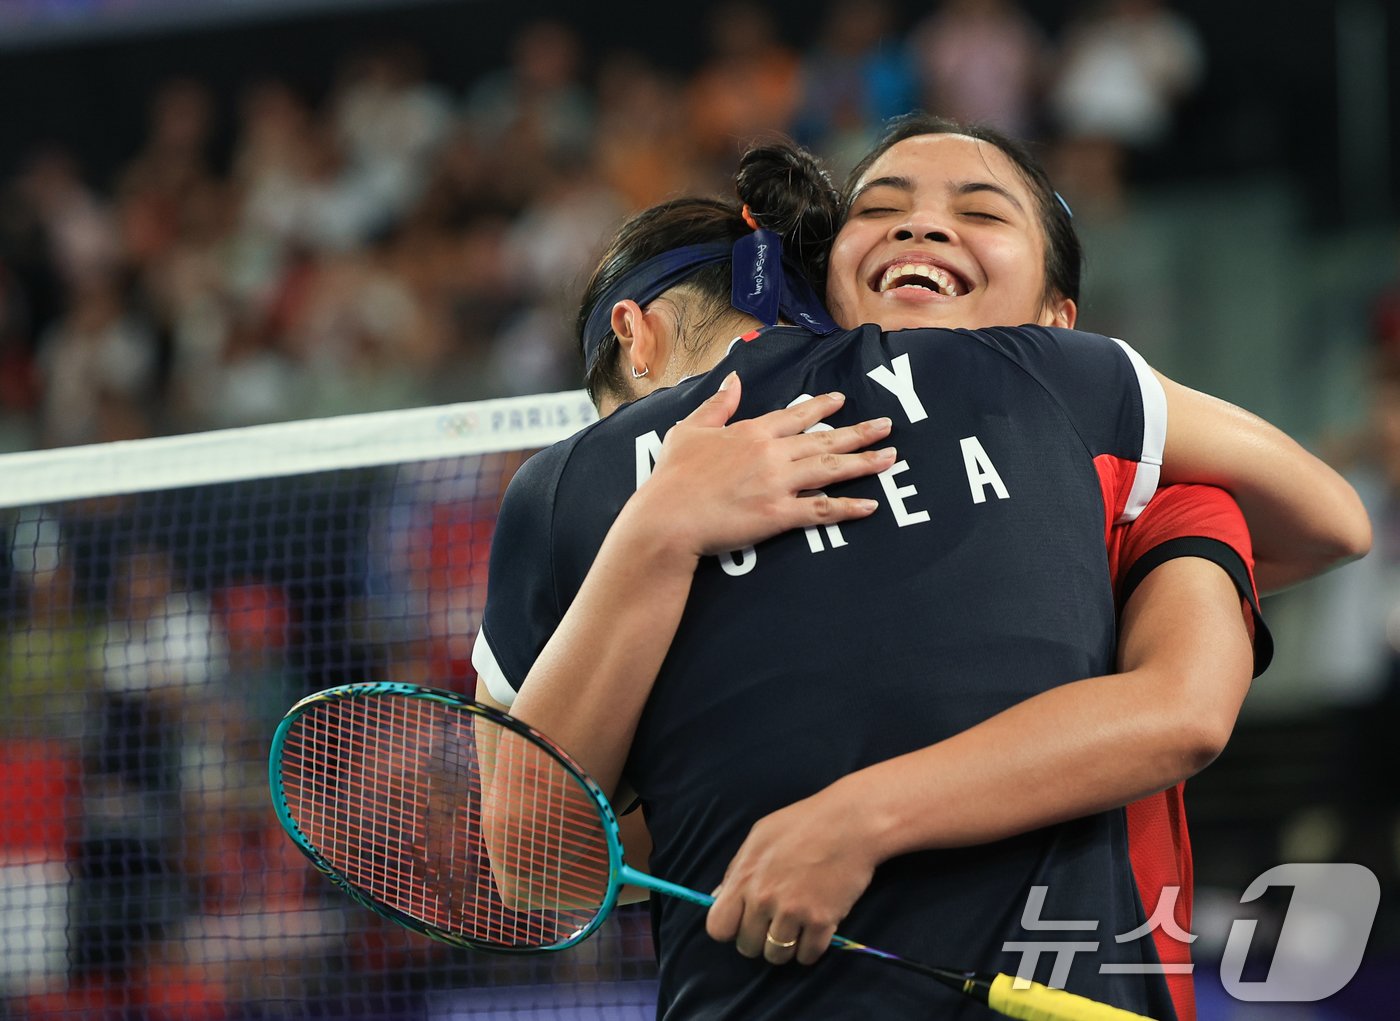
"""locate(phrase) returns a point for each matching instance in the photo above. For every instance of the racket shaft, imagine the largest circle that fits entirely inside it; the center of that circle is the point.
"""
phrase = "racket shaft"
(627, 874)
(1033, 1002)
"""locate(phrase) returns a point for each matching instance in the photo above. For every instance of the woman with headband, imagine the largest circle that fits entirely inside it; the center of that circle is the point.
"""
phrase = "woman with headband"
(825, 656)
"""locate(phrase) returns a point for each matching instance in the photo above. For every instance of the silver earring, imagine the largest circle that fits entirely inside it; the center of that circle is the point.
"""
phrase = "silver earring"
(639, 375)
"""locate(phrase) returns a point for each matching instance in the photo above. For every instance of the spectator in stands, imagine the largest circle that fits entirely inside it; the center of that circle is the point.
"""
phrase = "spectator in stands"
(274, 160)
(99, 368)
(537, 111)
(47, 681)
(982, 62)
(1124, 68)
(54, 210)
(161, 652)
(748, 85)
(546, 254)
(173, 164)
(301, 183)
(233, 850)
(463, 187)
(642, 150)
(854, 79)
(186, 293)
(361, 338)
(388, 120)
(175, 156)
(162, 649)
(249, 380)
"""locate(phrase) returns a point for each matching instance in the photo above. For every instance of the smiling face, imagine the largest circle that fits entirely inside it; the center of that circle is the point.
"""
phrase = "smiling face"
(943, 230)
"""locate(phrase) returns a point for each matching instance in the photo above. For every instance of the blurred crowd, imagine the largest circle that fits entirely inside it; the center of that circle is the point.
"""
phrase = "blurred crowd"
(393, 242)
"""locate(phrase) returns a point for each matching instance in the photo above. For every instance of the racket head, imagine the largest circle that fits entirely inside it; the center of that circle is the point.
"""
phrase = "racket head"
(446, 816)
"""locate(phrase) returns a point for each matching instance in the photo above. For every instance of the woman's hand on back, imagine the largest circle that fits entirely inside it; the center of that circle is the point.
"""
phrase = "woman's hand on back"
(720, 486)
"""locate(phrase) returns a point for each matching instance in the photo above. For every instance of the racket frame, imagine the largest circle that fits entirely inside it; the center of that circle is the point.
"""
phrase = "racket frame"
(1034, 1002)
(619, 873)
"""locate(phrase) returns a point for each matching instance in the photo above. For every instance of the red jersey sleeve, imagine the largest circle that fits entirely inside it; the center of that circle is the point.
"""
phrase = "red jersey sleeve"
(1179, 521)
(1191, 521)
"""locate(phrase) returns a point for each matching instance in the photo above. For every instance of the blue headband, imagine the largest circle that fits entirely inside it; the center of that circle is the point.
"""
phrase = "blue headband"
(764, 285)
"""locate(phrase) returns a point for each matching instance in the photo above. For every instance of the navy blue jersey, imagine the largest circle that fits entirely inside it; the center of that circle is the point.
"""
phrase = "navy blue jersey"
(982, 580)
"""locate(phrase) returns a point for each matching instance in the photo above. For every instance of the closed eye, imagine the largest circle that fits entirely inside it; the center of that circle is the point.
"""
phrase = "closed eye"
(876, 211)
(980, 215)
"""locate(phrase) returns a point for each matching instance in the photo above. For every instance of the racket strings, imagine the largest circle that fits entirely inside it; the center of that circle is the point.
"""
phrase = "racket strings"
(450, 818)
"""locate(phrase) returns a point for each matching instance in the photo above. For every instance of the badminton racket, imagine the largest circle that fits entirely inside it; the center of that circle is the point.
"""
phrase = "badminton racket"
(460, 822)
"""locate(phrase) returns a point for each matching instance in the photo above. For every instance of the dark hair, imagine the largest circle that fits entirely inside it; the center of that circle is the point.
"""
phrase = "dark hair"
(786, 191)
(1064, 255)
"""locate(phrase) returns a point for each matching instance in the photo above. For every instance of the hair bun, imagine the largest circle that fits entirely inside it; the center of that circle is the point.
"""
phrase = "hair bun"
(789, 192)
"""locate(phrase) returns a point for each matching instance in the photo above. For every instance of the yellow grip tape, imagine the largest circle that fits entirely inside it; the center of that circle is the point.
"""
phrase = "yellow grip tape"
(1041, 1003)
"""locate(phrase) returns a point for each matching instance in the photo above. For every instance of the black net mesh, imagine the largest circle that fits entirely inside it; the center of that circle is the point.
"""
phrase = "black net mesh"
(152, 642)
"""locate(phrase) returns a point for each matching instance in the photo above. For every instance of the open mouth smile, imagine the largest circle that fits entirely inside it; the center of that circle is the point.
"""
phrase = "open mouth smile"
(921, 276)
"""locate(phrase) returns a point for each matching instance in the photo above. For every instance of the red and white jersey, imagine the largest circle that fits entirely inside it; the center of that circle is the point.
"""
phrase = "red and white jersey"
(1180, 521)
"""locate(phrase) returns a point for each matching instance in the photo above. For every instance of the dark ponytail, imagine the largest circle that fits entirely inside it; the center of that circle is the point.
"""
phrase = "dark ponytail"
(786, 191)
(791, 194)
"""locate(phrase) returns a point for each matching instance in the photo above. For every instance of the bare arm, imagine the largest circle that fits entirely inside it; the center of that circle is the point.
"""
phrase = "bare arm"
(1304, 518)
(1185, 665)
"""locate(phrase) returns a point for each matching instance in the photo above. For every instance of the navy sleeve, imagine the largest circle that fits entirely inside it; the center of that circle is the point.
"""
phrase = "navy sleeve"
(522, 603)
(1111, 396)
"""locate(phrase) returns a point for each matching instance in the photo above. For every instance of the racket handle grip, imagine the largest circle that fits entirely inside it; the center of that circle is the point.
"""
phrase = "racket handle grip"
(1036, 1002)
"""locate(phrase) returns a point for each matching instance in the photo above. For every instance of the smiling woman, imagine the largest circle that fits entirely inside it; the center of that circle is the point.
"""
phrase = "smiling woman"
(980, 207)
(965, 210)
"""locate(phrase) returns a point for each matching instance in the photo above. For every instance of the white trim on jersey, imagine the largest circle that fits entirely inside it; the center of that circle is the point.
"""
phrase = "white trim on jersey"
(490, 672)
(1154, 435)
